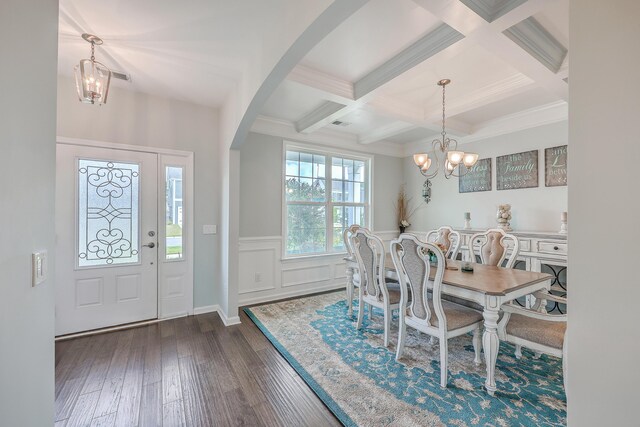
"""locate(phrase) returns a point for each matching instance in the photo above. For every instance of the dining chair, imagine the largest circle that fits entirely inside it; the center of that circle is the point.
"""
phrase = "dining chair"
(428, 312)
(496, 246)
(355, 278)
(447, 237)
(535, 329)
(370, 255)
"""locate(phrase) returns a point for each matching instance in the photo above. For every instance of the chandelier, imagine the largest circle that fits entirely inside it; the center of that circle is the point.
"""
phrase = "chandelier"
(92, 77)
(451, 157)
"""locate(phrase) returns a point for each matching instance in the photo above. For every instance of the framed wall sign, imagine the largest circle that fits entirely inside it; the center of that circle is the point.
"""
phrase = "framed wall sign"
(477, 179)
(555, 166)
(518, 170)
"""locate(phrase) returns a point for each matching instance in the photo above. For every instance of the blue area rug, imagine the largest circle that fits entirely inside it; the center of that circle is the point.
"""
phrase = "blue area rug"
(360, 381)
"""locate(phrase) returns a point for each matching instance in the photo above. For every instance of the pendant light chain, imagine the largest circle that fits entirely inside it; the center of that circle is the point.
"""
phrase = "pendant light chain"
(93, 57)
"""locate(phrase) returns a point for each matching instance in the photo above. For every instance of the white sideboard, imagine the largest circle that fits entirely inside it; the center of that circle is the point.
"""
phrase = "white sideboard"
(544, 252)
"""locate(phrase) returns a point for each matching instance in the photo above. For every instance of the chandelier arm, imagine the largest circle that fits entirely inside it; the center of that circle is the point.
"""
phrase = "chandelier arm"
(430, 175)
(462, 172)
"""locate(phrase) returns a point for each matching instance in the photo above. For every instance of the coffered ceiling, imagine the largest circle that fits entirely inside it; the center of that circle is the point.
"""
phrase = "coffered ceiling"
(374, 75)
(374, 78)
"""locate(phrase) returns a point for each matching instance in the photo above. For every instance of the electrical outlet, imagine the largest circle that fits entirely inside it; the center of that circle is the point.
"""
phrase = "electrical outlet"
(258, 277)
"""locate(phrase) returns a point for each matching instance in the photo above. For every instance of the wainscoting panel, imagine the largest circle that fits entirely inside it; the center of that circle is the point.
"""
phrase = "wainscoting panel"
(265, 276)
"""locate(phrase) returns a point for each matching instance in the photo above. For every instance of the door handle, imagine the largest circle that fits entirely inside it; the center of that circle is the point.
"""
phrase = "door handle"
(150, 245)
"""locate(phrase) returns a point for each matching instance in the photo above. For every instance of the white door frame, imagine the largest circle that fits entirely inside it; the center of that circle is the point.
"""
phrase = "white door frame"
(175, 277)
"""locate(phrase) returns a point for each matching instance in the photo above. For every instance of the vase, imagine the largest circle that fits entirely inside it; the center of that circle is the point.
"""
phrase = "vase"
(402, 229)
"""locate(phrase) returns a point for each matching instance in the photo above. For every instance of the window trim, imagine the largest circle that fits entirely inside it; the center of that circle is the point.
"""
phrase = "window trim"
(329, 152)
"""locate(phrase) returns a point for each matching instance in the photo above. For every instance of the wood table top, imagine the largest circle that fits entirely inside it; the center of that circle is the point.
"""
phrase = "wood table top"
(486, 279)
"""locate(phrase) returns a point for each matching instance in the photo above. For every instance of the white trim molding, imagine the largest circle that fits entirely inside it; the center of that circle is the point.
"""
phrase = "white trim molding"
(228, 321)
(293, 276)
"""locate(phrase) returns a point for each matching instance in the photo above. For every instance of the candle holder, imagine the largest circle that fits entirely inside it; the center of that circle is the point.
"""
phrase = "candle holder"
(467, 220)
(563, 223)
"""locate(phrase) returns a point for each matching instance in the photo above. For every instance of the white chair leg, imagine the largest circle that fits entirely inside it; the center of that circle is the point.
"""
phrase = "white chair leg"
(360, 312)
(518, 352)
(444, 361)
(402, 333)
(537, 355)
(477, 345)
(370, 312)
(432, 340)
(387, 325)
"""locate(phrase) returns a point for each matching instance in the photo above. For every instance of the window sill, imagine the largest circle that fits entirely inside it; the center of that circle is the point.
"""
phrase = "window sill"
(290, 258)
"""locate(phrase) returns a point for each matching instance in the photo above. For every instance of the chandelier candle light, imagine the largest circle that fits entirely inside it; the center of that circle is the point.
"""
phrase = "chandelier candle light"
(92, 77)
(452, 158)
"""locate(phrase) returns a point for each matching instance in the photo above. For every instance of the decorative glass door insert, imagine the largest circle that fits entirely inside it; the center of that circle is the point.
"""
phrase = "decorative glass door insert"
(108, 213)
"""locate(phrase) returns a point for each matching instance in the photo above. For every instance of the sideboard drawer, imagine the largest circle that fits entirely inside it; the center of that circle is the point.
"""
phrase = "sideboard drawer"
(552, 248)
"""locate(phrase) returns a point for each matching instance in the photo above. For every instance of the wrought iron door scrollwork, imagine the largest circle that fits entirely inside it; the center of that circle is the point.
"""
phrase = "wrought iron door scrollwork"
(108, 205)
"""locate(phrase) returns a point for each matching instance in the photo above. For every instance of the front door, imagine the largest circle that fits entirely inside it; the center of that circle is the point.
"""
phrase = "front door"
(106, 237)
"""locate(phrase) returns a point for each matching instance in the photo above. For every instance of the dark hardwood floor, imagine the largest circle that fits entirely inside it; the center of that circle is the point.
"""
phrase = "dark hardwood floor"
(190, 371)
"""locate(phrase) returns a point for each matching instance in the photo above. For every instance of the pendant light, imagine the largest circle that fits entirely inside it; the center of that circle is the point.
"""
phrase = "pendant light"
(452, 159)
(92, 77)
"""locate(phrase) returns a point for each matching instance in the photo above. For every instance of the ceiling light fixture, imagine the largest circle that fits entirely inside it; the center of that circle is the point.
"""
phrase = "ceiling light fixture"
(92, 77)
(452, 158)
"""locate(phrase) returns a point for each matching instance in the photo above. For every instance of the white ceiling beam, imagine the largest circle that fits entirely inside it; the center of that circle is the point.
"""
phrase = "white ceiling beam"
(331, 87)
(354, 95)
(531, 36)
(490, 10)
(489, 36)
(318, 117)
(427, 46)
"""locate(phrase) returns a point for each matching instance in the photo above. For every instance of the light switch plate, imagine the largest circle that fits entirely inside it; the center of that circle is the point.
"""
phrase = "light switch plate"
(209, 229)
(38, 267)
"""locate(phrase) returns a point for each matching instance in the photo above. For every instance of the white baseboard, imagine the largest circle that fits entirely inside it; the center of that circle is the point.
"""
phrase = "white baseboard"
(228, 321)
(290, 294)
(206, 309)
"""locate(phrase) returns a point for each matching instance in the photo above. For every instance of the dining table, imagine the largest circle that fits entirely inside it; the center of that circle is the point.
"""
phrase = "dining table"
(487, 285)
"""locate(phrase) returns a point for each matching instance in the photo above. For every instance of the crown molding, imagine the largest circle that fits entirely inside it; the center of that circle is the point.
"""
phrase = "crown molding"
(323, 137)
(490, 10)
(531, 36)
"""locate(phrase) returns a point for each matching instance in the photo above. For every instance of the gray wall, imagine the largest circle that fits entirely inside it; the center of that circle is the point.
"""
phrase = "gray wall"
(604, 337)
(141, 119)
(28, 46)
(532, 208)
(261, 187)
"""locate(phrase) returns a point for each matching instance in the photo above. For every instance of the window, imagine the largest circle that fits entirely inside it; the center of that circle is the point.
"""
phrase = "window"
(324, 194)
(173, 216)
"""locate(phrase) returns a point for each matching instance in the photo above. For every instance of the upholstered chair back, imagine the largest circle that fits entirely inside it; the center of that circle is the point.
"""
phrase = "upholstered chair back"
(346, 236)
(369, 252)
(411, 259)
(447, 237)
(495, 246)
